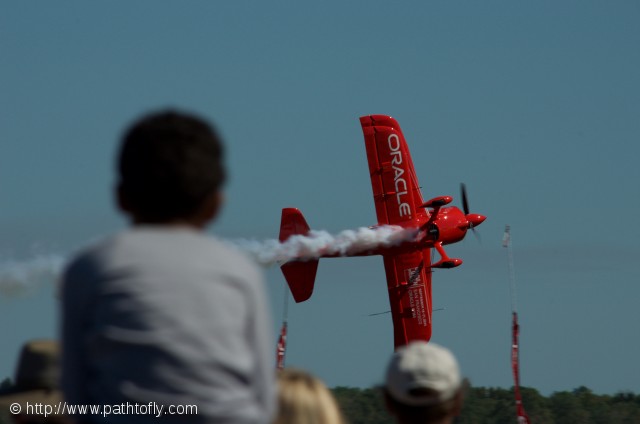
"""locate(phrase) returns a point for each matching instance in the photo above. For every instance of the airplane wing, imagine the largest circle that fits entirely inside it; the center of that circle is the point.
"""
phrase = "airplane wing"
(409, 284)
(398, 201)
(395, 186)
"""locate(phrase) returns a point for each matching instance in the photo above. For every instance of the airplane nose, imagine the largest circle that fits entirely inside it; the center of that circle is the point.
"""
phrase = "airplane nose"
(475, 219)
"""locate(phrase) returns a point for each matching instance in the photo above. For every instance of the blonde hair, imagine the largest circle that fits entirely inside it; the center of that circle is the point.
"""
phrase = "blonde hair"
(304, 399)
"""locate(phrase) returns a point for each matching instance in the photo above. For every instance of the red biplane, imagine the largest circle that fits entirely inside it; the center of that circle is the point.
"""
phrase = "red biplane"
(398, 202)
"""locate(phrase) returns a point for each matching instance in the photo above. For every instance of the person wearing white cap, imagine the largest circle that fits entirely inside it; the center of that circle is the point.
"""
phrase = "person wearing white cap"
(423, 385)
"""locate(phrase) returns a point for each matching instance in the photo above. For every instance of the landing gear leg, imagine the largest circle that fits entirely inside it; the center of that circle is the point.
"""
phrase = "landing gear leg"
(445, 261)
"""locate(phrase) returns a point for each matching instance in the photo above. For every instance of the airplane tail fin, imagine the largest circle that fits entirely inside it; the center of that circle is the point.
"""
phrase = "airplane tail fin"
(300, 275)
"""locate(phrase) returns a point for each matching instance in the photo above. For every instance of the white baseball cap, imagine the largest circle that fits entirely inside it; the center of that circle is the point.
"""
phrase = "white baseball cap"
(422, 365)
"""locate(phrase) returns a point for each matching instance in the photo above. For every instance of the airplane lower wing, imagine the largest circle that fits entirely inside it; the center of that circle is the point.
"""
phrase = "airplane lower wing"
(409, 284)
(398, 201)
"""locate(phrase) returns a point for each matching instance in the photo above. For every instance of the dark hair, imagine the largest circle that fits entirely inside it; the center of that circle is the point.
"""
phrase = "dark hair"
(169, 163)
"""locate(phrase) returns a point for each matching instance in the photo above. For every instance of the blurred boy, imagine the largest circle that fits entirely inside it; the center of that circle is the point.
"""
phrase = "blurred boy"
(161, 312)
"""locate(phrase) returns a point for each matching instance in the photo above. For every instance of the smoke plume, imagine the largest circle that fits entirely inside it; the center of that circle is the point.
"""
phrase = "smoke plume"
(319, 243)
(20, 277)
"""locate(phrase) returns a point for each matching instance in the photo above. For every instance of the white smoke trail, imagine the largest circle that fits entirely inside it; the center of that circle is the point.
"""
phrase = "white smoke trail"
(19, 277)
(319, 243)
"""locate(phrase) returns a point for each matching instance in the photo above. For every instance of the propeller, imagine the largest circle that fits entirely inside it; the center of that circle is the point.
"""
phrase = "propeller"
(473, 219)
(465, 202)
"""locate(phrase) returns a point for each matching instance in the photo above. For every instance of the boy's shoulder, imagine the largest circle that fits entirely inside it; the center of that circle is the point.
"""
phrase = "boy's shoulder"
(158, 244)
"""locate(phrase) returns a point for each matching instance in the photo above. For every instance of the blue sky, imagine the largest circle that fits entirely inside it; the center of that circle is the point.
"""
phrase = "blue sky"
(535, 106)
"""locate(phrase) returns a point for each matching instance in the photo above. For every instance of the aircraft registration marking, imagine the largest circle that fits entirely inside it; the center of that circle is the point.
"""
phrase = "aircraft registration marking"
(416, 302)
(416, 295)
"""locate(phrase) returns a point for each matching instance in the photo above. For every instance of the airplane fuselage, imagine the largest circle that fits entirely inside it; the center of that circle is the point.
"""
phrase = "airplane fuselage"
(450, 226)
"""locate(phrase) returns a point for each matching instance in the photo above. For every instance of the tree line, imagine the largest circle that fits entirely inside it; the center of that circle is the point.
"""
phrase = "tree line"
(497, 406)
(488, 405)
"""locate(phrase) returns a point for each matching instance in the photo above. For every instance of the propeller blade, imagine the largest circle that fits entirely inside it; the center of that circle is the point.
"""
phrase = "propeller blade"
(465, 203)
(477, 234)
(465, 207)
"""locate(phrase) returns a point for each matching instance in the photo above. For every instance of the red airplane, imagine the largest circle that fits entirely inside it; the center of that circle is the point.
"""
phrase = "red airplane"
(398, 202)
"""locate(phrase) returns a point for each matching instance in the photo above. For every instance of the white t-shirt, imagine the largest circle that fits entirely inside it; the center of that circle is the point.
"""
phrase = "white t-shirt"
(167, 316)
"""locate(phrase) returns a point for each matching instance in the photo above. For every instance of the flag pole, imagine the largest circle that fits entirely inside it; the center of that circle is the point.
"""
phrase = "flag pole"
(522, 416)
